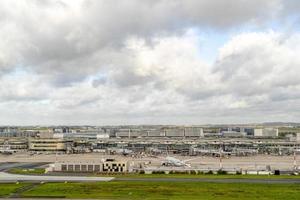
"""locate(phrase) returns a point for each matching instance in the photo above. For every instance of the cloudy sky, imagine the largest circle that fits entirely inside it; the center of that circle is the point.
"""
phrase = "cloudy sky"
(149, 61)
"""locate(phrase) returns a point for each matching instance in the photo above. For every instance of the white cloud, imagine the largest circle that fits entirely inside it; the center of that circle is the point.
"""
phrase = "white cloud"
(136, 61)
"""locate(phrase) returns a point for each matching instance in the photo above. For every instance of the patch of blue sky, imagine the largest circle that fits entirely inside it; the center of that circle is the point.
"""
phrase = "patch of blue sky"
(98, 78)
(209, 43)
(211, 40)
(20, 70)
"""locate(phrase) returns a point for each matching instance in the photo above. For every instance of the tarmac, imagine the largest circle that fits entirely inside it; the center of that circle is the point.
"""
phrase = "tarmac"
(7, 177)
(257, 162)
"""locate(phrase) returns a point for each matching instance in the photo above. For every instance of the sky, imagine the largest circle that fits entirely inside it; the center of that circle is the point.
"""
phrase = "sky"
(112, 62)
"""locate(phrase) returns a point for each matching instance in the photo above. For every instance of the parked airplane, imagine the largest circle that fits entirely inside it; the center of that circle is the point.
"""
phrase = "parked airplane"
(172, 161)
(122, 151)
(7, 151)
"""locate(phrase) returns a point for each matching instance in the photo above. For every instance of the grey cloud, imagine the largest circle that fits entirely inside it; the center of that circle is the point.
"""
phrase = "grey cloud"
(28, 88)
(254, 65)
(55, 33)
(83, 69)
(99, 81)
(127, 78)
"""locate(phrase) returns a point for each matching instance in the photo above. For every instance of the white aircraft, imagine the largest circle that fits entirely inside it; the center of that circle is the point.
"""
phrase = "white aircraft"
(171, 161)
(123, 151)
(155, 151)
(7, 151)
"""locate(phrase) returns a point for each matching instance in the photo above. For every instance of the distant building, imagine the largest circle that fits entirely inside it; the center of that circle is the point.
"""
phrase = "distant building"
(233, 134)
(258, 132)
(14, 144)
(155, 133)
(249, 131)
(298, 137)
(8, 132)
(45, 134)
(193, 132)
(129, 133)
(174, 132)
(266, 132)
(95, 136)
(61, 130)
(47, 145)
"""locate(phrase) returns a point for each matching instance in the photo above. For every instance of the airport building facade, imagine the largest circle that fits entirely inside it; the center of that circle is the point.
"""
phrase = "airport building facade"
(47, 144)
(107, 166)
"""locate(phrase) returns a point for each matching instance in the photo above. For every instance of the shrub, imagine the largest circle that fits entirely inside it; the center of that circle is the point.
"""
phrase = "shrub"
(193, 172)
(238, 173)
(158, 172)
(178, 172)
(221, 172)
(183, 172)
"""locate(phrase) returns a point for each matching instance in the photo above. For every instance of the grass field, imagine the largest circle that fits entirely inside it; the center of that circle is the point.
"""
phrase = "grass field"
(167, 190)
(34, 171)
(8, 188)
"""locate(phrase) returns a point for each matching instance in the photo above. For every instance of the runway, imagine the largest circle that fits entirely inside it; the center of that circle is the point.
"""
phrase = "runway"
(215, 180)
(6, 177)
(9, 165)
